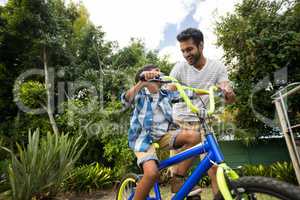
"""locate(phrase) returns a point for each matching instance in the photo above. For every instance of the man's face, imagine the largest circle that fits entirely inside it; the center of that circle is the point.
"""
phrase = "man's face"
(190, 51)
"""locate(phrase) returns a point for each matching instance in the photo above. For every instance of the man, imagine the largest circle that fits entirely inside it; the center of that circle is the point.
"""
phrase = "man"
(199, 72)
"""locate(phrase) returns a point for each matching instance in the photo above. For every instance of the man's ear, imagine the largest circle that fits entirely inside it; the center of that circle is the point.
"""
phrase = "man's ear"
(201, 45)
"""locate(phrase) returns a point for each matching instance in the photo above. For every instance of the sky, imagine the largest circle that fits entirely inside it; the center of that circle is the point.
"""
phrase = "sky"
(157, 22)
(2, 2)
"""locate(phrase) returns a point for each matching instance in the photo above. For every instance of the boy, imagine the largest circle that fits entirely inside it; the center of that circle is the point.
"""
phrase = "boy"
(149, 124)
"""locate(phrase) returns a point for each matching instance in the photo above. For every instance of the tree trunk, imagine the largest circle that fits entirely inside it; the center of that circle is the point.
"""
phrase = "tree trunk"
(48, 90)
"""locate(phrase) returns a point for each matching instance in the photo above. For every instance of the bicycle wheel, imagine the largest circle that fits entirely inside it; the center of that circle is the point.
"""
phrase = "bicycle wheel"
(127, 187)
(262, 188)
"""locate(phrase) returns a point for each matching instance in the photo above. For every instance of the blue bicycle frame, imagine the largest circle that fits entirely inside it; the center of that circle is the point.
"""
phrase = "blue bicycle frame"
(214, 155)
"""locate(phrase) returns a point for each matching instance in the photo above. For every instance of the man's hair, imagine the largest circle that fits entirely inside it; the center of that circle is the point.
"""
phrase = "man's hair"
(193, 33)
(147, 67)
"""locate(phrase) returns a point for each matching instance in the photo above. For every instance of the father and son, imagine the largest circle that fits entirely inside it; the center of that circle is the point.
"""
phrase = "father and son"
(153, 113)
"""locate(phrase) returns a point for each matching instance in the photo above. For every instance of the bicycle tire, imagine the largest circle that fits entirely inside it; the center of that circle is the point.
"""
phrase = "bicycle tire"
(127, 184)
(250, 185)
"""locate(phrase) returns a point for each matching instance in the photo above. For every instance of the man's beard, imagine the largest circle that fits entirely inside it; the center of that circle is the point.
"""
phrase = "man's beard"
(195, 59)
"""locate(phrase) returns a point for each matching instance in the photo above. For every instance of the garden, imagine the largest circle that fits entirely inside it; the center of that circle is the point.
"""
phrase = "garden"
(63, 129)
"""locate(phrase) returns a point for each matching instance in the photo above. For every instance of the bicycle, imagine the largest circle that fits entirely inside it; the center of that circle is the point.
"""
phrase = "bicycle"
(231, 186)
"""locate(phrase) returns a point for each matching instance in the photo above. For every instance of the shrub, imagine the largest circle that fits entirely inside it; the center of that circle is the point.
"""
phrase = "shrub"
(204, 181)
(283, 171)
(39, 170)
(4, 184)
(88, 177)
(32, 94)
(255, 170)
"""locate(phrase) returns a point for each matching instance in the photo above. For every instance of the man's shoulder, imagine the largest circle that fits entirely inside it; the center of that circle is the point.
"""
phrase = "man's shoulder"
(215, 63)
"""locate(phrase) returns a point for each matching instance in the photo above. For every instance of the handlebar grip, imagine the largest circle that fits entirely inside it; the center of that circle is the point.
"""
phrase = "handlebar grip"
(211, 100)
(142, 77)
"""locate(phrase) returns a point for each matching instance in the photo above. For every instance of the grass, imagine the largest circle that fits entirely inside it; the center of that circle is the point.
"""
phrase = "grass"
(205, 195)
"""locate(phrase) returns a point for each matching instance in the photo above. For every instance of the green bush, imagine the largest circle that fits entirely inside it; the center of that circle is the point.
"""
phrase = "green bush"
(283, 171)
(88, 177)
(255, 170)
(38, 170)
(105, 131)
(204, 181)
(32, 94)
(4, 184)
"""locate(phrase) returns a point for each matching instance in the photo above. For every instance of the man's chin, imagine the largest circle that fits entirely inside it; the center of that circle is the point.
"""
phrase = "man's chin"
(190, 62)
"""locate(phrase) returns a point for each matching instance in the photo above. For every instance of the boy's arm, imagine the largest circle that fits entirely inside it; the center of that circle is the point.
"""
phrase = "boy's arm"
(131, 93)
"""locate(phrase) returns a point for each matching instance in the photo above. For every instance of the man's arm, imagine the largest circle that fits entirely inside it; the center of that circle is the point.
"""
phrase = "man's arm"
(228, 92)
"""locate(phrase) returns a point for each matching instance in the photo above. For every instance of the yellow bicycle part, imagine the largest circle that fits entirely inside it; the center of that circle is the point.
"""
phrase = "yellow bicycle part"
(123, 186)
(187, 100)
(221, 181)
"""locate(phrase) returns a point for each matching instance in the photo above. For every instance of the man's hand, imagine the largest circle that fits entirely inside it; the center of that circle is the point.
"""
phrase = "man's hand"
(228, 92)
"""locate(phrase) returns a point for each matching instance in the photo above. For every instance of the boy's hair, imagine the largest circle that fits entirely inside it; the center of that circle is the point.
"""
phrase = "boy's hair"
(147, 67)
(193, 33)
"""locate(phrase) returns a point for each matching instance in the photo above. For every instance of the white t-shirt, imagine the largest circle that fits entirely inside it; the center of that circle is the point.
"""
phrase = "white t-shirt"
(212, 73)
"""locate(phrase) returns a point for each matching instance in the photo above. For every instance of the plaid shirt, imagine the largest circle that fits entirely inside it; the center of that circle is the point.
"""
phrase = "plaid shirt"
(139, 134)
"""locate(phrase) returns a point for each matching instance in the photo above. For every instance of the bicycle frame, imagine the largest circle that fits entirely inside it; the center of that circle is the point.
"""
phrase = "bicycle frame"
(214, 156)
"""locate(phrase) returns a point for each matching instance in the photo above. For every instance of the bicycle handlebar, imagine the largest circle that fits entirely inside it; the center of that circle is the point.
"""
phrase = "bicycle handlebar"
(186, 99)
(184, 96)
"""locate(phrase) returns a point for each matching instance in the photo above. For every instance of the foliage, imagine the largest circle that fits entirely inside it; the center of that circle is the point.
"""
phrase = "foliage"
(38, 170)
(88, 177)
(4, 184)
(204, 182)
(283, 171)
(32, 94)
(259, 39)
(27, 27)
(255, 170)
(77, 52)
(101, 118)
(105, 132)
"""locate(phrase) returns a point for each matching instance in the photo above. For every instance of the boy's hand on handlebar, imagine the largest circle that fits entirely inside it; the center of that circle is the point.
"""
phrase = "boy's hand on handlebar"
(148, 75)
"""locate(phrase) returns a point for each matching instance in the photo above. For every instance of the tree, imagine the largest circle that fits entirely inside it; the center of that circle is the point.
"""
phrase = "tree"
(43, 35)
(260, 38)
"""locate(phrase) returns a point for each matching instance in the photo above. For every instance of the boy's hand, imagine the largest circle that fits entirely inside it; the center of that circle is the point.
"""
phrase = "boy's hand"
(150, 74)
